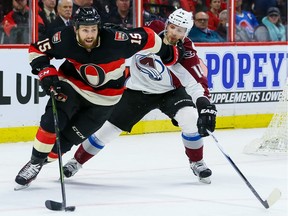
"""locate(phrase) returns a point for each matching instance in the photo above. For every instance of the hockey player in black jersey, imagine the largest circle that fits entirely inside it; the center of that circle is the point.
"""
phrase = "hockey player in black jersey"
(91, 80)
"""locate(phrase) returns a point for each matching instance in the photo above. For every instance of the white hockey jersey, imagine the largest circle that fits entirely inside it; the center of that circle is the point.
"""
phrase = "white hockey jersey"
(150, 75)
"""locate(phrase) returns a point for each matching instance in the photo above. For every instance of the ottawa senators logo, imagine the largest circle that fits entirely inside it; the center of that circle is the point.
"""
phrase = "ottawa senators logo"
(56, 38)
(121, 36)
(93, 74)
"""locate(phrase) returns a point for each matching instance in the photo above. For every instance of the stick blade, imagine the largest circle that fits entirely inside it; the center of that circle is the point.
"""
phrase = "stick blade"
(54, 206)
(70, 208)
(274, 197)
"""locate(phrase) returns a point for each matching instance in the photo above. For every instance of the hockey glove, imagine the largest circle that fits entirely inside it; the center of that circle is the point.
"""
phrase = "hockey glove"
(181, 50)
(206, 120)
(49, 78)
(48, 82)
(170, 55)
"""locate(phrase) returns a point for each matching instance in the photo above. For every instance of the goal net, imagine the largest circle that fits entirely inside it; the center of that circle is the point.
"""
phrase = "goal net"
(275, 137)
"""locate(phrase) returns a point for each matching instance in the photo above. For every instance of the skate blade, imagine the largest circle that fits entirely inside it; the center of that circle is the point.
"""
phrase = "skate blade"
(21, 187)
(206, 180)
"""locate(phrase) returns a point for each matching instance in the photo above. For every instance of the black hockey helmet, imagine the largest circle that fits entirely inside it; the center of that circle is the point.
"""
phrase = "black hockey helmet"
(86, 16)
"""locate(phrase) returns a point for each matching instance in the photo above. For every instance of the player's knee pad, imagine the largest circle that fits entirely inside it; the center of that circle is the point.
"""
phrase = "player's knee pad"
(186, 118)
(107, 132)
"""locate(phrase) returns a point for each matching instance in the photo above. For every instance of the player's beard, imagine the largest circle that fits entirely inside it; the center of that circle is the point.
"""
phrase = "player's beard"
(169, 41)
(84, 44)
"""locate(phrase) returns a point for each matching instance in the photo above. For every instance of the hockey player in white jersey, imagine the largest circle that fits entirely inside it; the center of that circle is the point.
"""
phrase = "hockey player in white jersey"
(180, 91)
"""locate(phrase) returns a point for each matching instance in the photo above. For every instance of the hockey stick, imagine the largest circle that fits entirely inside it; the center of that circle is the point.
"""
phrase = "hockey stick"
(274, 195)
(50, 204)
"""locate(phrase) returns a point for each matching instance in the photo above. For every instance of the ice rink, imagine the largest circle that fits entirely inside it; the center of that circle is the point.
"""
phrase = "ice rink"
(149, 175)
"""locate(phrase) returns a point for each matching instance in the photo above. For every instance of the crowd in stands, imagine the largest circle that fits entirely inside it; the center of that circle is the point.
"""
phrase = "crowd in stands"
(15, 25)
(254, 21)
(201, 31)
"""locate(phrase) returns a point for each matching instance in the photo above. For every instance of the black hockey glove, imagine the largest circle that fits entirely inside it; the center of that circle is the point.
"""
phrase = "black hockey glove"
(206, 119)
(48, 82)
(48, 77)
(170, 55)
(55, 88)
(181, 50)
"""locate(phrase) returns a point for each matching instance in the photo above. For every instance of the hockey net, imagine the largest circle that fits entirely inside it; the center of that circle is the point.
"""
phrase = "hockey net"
(275, 137)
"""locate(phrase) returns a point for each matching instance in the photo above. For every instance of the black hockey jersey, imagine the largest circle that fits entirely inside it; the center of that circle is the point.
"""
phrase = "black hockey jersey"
(97, 75)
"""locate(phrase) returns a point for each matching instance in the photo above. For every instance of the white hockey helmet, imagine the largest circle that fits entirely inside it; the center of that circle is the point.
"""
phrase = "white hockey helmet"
(181, 18)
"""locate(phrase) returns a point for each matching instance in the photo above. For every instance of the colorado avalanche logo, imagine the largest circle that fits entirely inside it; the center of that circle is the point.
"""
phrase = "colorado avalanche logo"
(246, 25)
(151, 66)
(189, 54)
(93, 74)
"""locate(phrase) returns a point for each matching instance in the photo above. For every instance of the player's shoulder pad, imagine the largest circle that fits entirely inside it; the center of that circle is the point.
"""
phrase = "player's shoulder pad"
(114, 34)
(149, 31)
(63, 35)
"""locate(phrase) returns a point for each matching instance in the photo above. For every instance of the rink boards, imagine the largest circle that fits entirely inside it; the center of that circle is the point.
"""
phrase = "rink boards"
(245, 84)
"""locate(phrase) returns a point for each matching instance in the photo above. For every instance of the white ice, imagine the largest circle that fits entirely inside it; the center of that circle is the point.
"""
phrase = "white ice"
(148, 175)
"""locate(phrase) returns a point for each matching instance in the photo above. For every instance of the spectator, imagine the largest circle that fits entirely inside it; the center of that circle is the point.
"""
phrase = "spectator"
(104, 7)
(152, 12)
(200, 31)
(48, 14)
(1, 12)
(271, 28)
(201, 5)
(188, 5)
(161, 8)
(223, 24)
(246, 22)
(260, 8)
(282, 5)
(213, 14)
(248, 5)
(151, 6)
(15, 23)
(122, 15)
(81, 3)
(64, 9)
(223, 5)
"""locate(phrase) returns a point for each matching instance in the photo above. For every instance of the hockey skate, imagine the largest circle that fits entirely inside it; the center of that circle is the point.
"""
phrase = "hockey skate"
(200, 169)
(71, 168)
(27, 174)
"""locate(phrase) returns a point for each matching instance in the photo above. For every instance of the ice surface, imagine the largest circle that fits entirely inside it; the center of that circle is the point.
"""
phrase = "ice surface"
(149, 175)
